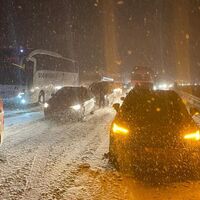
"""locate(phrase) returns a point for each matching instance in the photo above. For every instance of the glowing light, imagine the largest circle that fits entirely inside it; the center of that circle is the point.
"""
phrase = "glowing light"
(23, 101)
(193, 136)
(58, 87)
(120, 130)
(158, 109)
(20, 95)
(76, 107)
(163, 86)
(154, 87)
(117, 90)
(46, 105)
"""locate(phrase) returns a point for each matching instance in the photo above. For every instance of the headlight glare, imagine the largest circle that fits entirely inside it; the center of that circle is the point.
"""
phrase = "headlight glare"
(23, 101)
(20, 95)
(193, 136)
(46, 105)
(76, 107)
(119, 129)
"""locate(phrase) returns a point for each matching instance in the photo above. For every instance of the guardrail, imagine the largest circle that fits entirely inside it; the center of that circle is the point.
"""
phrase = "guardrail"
(191, 99)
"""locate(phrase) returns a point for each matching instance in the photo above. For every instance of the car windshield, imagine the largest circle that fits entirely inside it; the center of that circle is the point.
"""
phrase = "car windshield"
(99, 99)
(69, 95)
(158, 108)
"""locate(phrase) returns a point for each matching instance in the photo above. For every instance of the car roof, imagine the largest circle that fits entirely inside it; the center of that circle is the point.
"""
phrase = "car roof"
(72, 87)
(76, 89)
(145, 92)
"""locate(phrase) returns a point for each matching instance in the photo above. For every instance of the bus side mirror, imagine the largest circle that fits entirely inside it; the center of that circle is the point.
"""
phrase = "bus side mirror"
(116, 106)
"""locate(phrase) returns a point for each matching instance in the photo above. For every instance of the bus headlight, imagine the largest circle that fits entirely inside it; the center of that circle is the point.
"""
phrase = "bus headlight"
(23, 101)
(76, 107)
(20, 95)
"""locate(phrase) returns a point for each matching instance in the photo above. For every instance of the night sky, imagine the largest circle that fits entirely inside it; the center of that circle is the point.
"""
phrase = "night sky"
(114, 35)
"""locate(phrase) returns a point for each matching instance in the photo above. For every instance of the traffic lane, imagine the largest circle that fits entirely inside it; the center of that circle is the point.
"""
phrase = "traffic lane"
(23, 118)
(37, 153)
(8, 112)
(72, 156)
(91, 176)
(95, 183)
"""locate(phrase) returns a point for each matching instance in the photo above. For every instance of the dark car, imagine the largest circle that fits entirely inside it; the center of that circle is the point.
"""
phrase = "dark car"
(70, 103)
(151, 130)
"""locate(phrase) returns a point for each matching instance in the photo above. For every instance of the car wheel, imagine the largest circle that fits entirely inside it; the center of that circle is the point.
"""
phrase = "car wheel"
(113, 161)
(119, 157)
(196, 169)
(112, 155)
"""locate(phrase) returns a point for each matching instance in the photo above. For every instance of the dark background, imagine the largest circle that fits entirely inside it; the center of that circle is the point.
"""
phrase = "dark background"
(102, 34)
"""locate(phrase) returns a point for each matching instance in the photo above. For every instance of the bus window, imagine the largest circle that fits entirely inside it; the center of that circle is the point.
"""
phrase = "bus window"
(45, 62)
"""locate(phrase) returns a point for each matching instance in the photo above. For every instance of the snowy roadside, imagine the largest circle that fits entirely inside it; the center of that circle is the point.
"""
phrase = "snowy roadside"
(10, 113)
(38, 152)
(44, 160)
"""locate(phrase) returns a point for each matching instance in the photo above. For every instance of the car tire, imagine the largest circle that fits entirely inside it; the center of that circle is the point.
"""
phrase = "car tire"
(113, 160)
(119, 157)
(112, 155)
(196, 169)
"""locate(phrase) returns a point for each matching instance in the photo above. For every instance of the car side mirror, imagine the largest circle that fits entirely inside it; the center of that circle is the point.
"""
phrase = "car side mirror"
(122, 98)
(116, 106)
(194, 111)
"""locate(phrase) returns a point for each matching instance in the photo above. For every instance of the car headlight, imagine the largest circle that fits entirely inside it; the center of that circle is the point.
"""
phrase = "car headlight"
(76, 107)
(119, 129)
(193, 136)
(46, 105)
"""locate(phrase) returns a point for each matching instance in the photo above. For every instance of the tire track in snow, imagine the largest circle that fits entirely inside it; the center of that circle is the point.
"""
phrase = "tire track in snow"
(86, 135)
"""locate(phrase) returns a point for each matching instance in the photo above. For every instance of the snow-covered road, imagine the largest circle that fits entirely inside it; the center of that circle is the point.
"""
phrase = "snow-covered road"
(43, 160)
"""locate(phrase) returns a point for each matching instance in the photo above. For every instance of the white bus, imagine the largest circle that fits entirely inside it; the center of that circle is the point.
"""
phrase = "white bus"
(39, 74)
